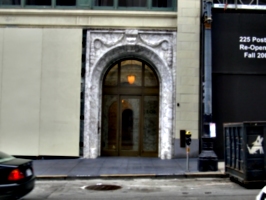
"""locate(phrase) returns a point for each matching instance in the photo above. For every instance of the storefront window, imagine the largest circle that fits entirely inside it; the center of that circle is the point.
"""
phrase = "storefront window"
(39, 2)
(104, 3)
(65, 3)
(132, 3)
(156, 5)
(10, 2)
(162, 4)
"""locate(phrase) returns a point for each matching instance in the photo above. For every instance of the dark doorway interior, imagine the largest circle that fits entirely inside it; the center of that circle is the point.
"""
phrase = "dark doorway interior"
(130, 110)
(127, 129)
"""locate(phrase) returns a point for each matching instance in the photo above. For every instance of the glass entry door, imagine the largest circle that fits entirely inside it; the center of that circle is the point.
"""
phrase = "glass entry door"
(130, 119)
(130, 110)
(121, 132)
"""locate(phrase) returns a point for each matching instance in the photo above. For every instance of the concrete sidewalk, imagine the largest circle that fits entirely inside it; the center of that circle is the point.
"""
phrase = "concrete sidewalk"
(123, 167)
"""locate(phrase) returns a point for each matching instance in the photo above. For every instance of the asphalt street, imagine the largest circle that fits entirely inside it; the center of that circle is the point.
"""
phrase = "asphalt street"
(142, 189)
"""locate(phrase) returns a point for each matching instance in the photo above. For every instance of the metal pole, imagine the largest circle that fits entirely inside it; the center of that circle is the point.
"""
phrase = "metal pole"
(188, 150)
(207, 159)
(207, 62)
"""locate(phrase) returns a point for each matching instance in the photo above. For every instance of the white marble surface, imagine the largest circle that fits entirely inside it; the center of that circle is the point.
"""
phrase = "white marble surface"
(104, 47)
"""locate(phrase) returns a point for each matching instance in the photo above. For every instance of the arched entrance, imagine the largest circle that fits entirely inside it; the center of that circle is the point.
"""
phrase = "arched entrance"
(130, 110)
(104, 48)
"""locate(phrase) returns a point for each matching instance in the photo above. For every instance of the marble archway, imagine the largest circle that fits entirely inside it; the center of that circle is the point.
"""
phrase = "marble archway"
(105, 47)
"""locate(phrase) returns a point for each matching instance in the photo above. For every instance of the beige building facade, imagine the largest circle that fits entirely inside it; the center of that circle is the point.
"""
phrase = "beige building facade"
(43, 52)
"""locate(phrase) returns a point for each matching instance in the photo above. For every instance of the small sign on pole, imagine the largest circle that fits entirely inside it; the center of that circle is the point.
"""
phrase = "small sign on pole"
(212, 130)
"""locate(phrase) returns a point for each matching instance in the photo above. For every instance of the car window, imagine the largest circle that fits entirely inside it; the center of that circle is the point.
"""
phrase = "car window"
(5, 157)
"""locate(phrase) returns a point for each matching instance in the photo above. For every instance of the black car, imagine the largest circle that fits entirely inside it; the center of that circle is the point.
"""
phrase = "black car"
(16, 177)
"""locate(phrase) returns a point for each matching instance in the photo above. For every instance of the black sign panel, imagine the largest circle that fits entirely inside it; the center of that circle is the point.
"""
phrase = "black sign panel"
(239, 42)
(239, 69)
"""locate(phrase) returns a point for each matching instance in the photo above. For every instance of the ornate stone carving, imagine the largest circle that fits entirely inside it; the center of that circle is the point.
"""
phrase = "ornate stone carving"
(160, 43)
(103, 42)
(131, 36)
(103, 48)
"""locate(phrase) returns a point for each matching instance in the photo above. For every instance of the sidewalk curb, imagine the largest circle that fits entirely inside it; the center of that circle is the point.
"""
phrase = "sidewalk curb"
(130, 176)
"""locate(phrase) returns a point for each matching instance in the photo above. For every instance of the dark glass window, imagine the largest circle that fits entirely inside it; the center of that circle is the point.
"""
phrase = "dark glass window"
(162, 3)
(251, 2)
(65, 2)
(262, 2)
(104, 3)
(39, 2)
(132, 3)
(10, 2)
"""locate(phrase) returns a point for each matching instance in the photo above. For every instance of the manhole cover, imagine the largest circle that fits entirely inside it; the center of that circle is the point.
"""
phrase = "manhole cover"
(102, 187)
